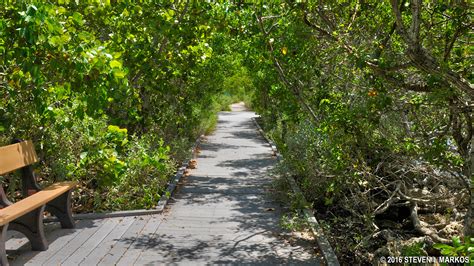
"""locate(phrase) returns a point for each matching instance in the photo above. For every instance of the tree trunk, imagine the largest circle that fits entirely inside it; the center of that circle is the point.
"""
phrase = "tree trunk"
(468, 220)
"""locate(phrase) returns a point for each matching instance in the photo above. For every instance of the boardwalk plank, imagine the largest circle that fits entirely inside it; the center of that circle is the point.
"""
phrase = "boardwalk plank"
(68, 249)
(107, 244)
(17, 242)
(57, 239)
(91, 243)
(148, 235)
(132, 234)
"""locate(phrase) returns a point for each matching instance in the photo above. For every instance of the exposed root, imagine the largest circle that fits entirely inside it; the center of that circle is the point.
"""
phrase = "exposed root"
(423, 229)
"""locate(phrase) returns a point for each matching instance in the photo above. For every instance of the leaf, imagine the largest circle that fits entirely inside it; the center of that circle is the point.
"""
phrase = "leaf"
(115, 64)
(83, 155)
(77, 18)
(456, 241)
(65, 38)
(54, 41)
(440, 246)
(84, 36)
(119, 73)
(125, 13)
(324, 101)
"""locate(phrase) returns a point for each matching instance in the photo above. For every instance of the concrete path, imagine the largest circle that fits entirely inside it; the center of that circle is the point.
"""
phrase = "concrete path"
(222, 213)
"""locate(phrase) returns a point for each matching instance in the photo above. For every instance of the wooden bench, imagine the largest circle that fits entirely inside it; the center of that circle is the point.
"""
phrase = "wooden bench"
(26, 215)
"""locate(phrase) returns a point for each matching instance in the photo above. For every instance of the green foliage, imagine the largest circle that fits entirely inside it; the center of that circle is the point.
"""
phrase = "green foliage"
(354, 105)
(361, 119)
(238, 86)
(414, 250)
(116, 171)
(360, 115)
(458, 249)
(113, 94)
(293, 222)
(104, 89)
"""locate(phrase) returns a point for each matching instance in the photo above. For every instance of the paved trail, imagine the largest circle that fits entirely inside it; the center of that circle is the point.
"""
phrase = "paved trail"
(223, 213)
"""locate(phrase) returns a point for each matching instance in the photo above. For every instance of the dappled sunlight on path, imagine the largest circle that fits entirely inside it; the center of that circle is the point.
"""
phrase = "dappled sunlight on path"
(222, 212)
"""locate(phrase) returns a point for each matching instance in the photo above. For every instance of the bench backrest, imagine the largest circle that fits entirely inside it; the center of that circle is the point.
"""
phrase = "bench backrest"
(15, 156)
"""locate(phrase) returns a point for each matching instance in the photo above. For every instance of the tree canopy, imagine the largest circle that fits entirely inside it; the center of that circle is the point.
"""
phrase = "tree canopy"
(370, 102)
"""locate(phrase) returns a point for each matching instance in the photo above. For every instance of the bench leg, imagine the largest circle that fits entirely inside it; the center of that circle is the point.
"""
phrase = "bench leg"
(3, 251)
(31, 225)
(61, 208)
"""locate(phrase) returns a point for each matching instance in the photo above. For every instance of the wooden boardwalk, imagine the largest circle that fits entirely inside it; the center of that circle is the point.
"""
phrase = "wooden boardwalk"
(223, 213)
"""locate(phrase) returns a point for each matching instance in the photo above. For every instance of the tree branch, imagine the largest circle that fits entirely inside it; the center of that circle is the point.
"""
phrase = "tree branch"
(450, 46)
(296, 90)
(420, 57)
(356, 10)
(398, 18)
(415, 22)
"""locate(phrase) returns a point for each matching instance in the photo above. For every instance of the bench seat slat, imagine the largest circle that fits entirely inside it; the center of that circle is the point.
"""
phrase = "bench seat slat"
(34, 201)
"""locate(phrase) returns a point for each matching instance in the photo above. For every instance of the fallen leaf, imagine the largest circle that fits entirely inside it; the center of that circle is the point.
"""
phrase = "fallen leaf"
(193, 164)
